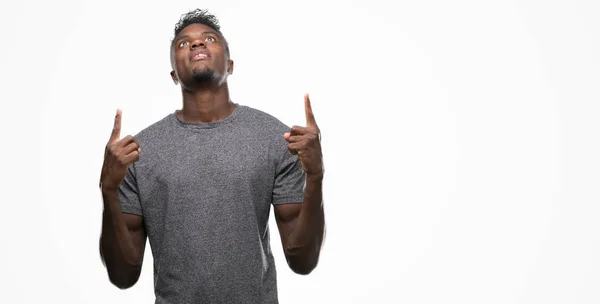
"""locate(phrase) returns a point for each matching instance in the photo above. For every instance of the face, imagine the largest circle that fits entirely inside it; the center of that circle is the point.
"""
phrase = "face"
(198, 55)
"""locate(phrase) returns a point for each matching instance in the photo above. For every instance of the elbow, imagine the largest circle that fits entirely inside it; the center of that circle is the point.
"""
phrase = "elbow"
(123, 282)
(301, 261)
(124, 277)
(122, 286)
(302, 269)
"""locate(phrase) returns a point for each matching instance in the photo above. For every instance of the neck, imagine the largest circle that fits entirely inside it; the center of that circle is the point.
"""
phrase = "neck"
(207, 104)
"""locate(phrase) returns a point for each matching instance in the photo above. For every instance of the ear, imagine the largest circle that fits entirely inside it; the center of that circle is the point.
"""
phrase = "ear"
(230, 66)
(174, 77)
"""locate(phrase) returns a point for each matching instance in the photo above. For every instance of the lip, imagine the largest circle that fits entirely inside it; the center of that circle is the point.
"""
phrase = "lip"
(199, 55)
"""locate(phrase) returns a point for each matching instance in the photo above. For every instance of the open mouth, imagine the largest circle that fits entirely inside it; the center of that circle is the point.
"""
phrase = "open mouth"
(199, 56)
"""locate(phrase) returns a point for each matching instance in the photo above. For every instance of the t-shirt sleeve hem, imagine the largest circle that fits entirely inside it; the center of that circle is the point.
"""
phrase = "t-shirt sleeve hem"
(288, 200)
(131, 209)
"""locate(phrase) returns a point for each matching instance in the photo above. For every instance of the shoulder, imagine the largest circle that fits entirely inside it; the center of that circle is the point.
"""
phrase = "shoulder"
(155, 131)
(263, 120)
(154, 139)
(161, 126)
(267, 128)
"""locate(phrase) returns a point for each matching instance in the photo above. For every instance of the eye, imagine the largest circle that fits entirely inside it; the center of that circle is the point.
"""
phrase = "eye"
(183, 43)
(211, 39)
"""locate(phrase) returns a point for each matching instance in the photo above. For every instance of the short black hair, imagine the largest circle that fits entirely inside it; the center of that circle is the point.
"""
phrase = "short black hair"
(200, 16)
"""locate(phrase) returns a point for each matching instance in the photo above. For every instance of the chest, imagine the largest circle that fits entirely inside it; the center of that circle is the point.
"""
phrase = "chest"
(205, 169)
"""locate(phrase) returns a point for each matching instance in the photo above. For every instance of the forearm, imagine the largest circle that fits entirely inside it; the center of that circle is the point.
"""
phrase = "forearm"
(119, 253)
(305, 240)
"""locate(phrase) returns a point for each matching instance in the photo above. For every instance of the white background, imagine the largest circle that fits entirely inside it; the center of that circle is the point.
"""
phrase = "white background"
(460, 141)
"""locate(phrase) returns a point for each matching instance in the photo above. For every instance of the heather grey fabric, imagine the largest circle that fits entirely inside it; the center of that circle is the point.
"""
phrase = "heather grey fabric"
(205, 191)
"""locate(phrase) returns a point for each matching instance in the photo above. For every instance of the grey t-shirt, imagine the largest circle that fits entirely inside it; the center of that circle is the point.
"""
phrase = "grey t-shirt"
(205, 191)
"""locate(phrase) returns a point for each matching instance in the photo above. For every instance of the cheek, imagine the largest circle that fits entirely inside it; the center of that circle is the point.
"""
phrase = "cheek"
(221, 61)
(180, 64)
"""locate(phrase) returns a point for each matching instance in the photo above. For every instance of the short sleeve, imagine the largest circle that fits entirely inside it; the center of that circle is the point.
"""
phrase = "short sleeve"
(129, 194)
(289, 180)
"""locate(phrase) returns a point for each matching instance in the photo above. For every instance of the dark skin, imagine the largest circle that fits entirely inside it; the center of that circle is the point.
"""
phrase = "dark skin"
(198, 49)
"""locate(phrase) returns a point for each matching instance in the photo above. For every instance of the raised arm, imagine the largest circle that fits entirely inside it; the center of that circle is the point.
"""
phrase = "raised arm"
(123, 238)
(302, 226)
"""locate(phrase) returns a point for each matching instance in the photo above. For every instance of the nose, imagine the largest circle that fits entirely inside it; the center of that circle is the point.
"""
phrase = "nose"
(197, 43)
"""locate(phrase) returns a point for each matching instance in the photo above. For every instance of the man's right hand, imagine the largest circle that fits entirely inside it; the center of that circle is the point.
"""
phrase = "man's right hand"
(118, 156)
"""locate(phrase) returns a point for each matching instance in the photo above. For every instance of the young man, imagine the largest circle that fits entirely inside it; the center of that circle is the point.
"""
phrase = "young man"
(200, 183)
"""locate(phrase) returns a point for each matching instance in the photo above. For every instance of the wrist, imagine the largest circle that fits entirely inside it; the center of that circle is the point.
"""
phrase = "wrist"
(108, 189)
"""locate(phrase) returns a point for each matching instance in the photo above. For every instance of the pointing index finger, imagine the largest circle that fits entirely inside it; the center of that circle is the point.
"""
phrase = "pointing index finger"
(310, 117)
(116, 132)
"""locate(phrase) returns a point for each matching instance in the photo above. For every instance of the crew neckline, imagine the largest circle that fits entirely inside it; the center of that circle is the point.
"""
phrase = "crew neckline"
(208, 125)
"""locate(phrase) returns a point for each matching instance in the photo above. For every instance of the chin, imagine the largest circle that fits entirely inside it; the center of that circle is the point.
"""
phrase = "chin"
(203, 74)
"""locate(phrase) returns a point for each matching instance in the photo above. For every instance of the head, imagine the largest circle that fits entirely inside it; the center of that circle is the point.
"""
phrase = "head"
(199, 51)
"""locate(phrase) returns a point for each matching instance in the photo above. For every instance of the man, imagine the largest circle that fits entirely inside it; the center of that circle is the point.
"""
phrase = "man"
(200, 182)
